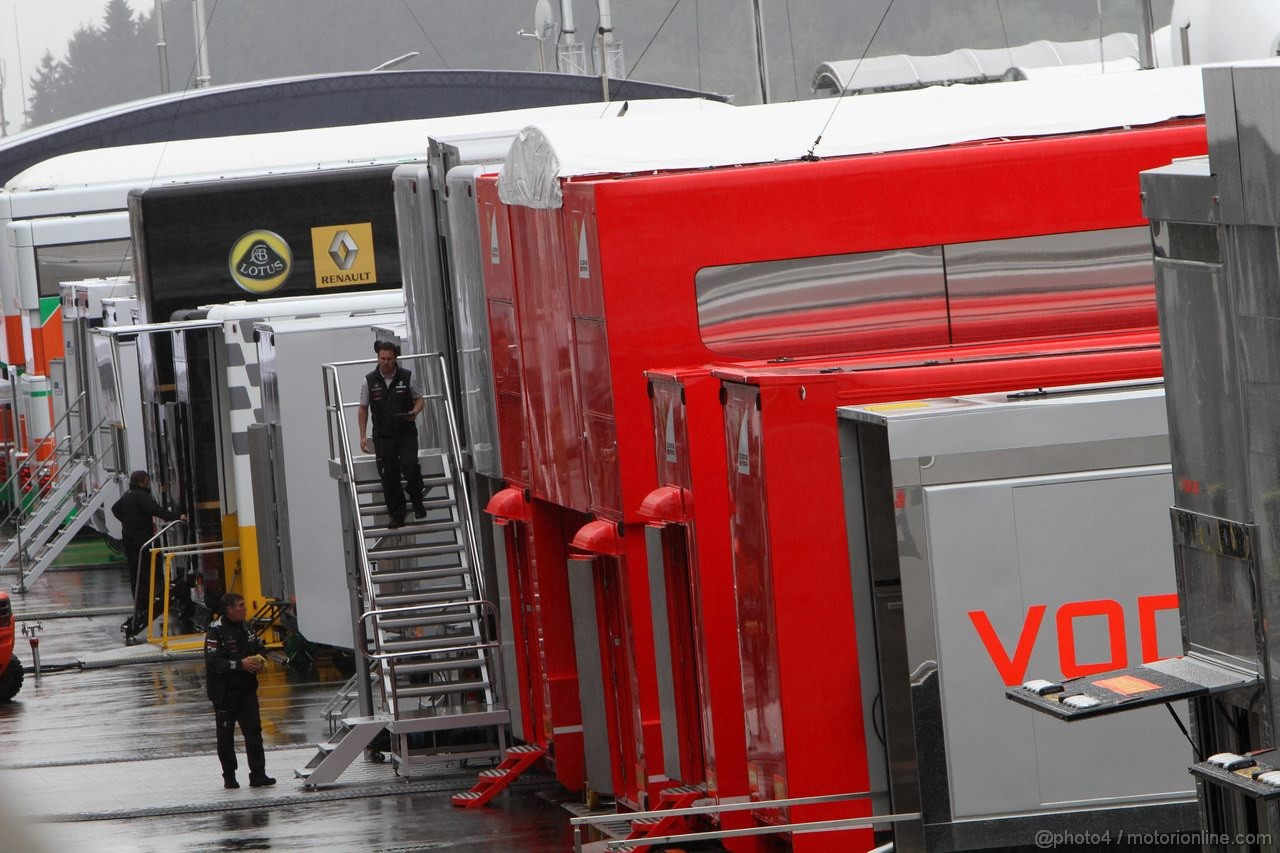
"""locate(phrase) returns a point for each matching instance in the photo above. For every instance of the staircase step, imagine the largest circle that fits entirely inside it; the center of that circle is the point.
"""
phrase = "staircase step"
(426, 644)
(437, 617)
(432, 596)
(413, 692)
(412, 526)
(367, 487)
(679, 791)
(431, 503)
(448, 665)
(418, 574)
(401, 552)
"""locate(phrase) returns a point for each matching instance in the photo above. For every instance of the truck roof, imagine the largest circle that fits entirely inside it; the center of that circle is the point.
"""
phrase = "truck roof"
(546, 152)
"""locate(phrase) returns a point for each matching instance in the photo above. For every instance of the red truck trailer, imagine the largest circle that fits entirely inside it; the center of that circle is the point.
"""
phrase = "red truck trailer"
(999, 235)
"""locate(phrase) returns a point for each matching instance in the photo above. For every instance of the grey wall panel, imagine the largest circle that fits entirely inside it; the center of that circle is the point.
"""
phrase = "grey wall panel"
(586, 642)
(510, 661)
(662, 650)
(1049, 542)
(470, 317)
(1224, 148)
(1257, 121)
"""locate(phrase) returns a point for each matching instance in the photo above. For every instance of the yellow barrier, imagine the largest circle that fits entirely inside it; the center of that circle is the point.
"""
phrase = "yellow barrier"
(176, 642)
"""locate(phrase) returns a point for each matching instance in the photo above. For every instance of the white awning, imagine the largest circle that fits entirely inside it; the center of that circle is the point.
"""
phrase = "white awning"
(904, 71)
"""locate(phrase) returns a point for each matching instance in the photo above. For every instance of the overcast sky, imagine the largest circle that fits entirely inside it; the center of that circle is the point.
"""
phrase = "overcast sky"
(41, 25)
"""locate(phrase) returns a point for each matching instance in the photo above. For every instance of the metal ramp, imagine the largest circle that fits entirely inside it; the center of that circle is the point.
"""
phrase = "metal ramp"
(425, 635)
(55, 492)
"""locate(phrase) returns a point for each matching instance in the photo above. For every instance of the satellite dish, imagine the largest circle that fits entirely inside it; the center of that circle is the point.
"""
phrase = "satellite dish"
(543, 25)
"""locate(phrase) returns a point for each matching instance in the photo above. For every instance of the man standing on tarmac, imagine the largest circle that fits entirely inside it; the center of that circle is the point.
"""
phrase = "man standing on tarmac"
(135, 509)
(389, 392)
(232, 660)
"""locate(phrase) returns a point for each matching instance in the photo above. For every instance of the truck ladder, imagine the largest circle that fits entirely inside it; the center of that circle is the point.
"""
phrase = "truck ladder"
(49, 515)
(426, 627)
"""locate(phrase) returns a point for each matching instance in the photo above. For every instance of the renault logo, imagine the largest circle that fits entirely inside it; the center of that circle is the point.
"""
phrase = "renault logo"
(344, 254)
(343, 250)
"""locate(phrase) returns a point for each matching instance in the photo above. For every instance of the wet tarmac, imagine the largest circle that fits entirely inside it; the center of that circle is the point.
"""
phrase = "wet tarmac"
(113, 751)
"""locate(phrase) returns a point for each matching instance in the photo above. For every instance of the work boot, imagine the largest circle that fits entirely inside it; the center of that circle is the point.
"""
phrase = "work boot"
(263, 781)
(229, 781)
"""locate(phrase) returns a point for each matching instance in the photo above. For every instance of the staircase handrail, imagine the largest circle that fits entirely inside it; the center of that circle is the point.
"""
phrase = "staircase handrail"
(50, 435)
(43, 491)
(162, 531)
(72, 454)
(336, 411)
(455, 448)
(19, 510)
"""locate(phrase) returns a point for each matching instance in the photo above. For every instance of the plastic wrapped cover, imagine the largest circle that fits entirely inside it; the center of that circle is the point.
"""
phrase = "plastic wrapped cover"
(895, 121)
(531, 175)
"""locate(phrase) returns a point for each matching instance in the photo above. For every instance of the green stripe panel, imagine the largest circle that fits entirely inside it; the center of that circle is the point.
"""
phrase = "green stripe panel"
(49, 305)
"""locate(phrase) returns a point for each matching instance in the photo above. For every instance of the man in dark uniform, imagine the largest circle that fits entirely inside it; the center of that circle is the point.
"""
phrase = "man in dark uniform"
(135, 509)
(232, 661)
(389, 393)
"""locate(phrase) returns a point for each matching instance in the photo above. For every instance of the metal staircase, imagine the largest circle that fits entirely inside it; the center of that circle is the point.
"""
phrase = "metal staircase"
(425, 636)
(55, 495)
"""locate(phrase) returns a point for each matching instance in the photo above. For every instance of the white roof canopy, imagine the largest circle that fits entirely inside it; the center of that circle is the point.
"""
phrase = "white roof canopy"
(903, 71)
(545, 152)
(305, 150)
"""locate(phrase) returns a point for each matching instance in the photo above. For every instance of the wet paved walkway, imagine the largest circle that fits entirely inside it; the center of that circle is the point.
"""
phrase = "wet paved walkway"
(120, 758)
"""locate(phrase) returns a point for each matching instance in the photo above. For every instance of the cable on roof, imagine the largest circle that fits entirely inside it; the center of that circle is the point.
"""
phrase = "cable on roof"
(810, 155)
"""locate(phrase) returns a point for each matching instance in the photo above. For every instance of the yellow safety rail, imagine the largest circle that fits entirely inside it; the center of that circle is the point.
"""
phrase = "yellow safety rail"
(176, 642)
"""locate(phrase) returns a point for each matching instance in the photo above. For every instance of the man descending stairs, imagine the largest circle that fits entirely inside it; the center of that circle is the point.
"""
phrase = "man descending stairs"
(424, 630)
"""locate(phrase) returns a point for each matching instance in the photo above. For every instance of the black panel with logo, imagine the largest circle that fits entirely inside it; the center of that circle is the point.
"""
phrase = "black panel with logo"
(252, 238)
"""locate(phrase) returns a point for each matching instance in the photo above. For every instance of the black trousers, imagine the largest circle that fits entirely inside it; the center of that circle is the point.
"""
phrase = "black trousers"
(139, 559)
(240, 709)
(397, 459)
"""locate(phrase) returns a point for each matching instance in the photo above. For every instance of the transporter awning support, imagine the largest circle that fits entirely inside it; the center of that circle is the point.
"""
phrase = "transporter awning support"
(510, 504)
(599, 537)
(669, 504)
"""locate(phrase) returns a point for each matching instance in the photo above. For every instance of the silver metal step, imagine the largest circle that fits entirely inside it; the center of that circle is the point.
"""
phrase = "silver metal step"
(431, 504)
(444, 665)
(445, 687)
(426, 644)
(400, 552)
(428, 595)
(417, 574)
(454, 618)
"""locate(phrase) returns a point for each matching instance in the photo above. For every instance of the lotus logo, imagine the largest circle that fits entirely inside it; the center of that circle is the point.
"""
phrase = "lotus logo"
(343, 250)
(260, 261)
